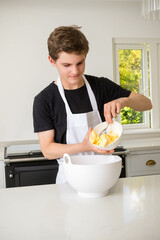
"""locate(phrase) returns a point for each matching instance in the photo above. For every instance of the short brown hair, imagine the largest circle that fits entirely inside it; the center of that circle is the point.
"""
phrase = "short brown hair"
(68, 39)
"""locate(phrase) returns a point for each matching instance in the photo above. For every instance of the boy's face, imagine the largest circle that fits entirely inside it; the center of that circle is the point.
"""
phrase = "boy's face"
(70, 68)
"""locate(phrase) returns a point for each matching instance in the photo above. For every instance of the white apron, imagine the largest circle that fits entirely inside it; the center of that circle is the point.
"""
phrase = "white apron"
(78, 124)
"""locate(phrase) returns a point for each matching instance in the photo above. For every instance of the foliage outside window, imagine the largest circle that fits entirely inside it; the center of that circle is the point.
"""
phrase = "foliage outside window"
(130, 74)
(132, 64)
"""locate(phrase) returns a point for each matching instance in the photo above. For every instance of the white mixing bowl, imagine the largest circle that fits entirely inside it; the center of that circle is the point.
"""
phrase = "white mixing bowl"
(92, 175)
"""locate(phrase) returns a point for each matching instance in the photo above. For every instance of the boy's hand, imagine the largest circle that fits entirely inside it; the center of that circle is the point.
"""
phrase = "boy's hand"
(87, 145)
(111, 109)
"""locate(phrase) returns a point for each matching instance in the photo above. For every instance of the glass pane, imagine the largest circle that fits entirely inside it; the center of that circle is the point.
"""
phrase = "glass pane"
(131, 78)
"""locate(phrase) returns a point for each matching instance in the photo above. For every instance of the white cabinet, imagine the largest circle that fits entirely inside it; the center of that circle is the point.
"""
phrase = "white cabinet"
(140, 163)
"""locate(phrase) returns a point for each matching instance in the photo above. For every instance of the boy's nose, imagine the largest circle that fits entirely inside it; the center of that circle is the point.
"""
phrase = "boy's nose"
(75, 70)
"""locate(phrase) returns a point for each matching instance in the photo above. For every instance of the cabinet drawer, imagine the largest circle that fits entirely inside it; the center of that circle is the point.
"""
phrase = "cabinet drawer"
(145, 164)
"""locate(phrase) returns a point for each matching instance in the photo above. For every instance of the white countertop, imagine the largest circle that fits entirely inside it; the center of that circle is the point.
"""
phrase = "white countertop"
(131, 211)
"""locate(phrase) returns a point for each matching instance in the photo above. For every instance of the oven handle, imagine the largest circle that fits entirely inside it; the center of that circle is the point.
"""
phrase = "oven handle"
(126, 152)
(6, 161)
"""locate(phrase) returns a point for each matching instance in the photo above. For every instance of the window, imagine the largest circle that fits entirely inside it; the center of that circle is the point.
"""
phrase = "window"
(136, 65)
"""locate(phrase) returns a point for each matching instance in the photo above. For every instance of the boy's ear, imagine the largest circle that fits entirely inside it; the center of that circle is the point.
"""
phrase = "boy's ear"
(51, 61)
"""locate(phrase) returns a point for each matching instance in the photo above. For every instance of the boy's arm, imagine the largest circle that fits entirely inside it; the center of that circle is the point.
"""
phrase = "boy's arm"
(53, 150)
(136, 101)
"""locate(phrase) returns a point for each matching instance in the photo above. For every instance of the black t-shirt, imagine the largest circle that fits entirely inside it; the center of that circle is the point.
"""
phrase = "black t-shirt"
(49, 109)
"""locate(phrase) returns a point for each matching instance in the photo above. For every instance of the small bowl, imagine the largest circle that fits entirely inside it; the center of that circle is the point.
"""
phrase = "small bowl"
(92, 175)
(115, 127)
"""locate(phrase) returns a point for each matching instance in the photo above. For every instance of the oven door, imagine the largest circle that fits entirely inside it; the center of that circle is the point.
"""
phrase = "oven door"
(30, 173)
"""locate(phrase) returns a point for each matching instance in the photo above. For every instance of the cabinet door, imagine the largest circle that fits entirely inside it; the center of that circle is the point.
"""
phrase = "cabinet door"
(144, 164)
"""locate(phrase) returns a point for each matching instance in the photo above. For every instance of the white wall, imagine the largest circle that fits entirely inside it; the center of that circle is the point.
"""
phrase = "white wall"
(24, 68)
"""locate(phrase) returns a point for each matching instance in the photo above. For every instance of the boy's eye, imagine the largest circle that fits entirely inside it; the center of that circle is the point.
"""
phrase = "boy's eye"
(68, 65)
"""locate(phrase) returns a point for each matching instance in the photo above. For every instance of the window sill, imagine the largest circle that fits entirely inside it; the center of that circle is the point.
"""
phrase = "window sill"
(144, 139)
(141, 133)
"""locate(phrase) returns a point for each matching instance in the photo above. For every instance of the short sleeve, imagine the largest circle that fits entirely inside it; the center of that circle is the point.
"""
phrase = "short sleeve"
(42, 120)
(114, 91)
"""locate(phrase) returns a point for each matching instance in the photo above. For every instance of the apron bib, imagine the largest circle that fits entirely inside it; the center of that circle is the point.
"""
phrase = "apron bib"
(78, 124)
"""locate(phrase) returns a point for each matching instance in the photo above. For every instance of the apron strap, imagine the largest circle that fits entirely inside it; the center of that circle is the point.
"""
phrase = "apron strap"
(61, 90)
(91, 95)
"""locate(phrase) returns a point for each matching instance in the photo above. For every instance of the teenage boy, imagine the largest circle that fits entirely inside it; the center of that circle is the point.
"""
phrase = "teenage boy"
(66, 111)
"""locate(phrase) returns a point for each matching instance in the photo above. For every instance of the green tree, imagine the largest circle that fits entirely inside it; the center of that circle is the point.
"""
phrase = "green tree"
(130, 71)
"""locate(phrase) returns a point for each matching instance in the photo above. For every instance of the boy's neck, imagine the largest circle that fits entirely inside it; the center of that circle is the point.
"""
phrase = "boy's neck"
(72, 86)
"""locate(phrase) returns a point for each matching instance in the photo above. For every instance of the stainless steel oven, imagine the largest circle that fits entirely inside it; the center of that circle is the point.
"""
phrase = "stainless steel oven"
(25, 165)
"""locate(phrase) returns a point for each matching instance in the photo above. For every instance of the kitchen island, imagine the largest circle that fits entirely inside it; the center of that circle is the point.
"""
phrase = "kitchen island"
(131, 211)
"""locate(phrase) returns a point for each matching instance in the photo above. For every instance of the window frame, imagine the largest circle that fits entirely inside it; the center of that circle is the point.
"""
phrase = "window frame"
(143, 48)
(154, 62)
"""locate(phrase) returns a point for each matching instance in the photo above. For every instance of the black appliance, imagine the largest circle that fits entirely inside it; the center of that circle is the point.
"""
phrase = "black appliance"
(121, 152)
(25, 165)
